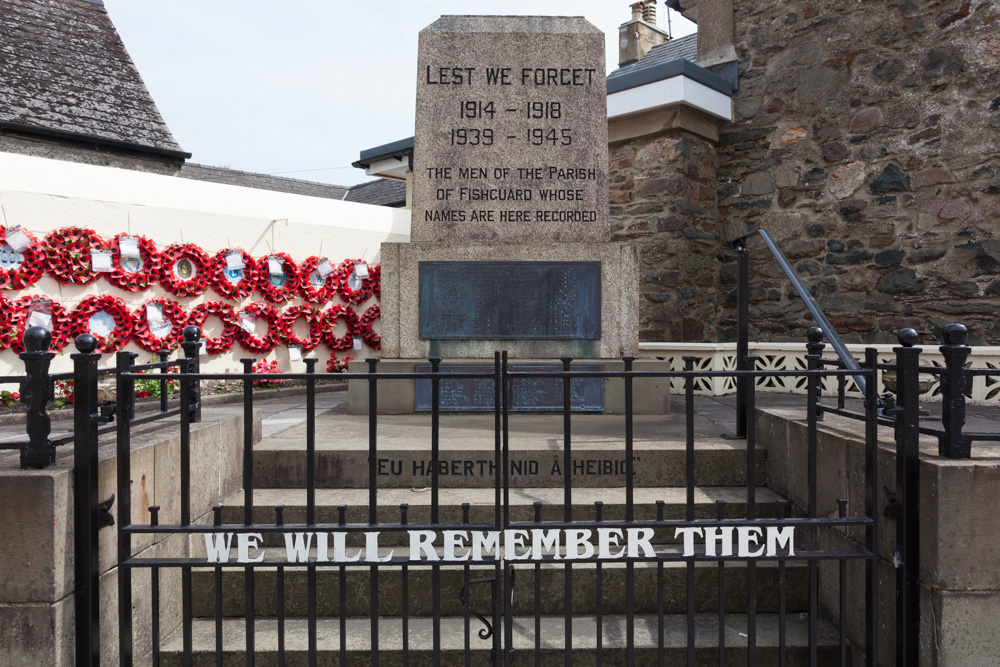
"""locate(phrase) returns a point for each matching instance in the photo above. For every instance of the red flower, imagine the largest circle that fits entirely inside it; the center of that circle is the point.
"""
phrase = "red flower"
(330, 317)
(315, 319)
(79, 321)
(67, 255)
(16, 320)
(140, 280)
(30, 270)
(310, 292)
(173, 280)
(223, 286)
(173, 313)
(368, 335)
(278, 293)
(276, 331)
(349, 295)
(224, 341)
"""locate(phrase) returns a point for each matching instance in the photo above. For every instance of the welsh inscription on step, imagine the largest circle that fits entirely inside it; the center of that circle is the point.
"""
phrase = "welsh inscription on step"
(510, 300)
(511, 135)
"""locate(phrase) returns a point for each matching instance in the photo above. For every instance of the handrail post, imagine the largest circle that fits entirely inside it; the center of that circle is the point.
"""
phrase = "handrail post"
(192, 348)
(908, 495)
(36, 392)
(742, 333)
(88, 633)
(952, 443)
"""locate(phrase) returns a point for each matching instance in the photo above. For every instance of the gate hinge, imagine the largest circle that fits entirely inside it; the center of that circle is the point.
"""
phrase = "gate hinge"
(892, 510)
(107, 413)
(104, 517)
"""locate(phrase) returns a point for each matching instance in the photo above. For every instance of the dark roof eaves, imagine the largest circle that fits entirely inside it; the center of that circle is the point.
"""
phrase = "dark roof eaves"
(394, 149)
(667, 70)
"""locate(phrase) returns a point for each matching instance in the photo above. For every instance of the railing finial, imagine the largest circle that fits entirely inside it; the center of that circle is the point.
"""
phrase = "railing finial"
(907, 337)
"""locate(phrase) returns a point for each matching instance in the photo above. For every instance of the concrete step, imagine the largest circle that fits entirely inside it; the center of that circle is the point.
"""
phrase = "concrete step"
(534, 462)
(482, 506)
(551, 582)
(453, 634)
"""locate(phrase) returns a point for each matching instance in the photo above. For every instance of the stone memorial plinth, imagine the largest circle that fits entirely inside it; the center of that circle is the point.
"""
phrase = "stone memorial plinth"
(510, 241)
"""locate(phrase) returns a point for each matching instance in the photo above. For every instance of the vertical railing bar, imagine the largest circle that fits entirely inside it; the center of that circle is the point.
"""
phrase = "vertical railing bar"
(163, 355)
(217, 576)
(435, 500)
(154, 581)
(404, 520)
(311, 594)
(721, 514)
(659, 597)
(342, 594)
(124, 392)
(629, 511)
(185, 474)
(742, 331)
(373, 501)
(538, 595)
(689, 483)
(502, 652)
(499, 426)
(598, 518)
(814, 353)
(842, 581)
(567, 506)
(279, 519)
(468, 615)
(908, 495)
(871, 508)
(953, 443)
(782, 509)
(248, 500)
(751, 441)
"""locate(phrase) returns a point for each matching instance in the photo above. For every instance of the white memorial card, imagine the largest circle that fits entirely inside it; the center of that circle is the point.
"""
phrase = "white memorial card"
(129, 246)
(100, 260)
(160, 329)
(247, 323)
(324, 267)
(19, 239)
(361, 270)
(275, 266)
(357, 343)
(154, 313)
(234, 261)
(40, 318)
(295, 353)
(203, 350)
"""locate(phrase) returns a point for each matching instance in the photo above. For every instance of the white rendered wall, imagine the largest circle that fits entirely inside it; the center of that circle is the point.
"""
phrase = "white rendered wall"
(42, 195)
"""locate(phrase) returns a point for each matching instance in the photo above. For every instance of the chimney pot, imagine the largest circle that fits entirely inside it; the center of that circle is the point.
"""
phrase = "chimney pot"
(649, 12)
(637, 10)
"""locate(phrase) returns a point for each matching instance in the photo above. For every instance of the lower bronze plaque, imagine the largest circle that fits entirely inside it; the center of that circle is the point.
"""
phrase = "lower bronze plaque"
(529, 394)
(510, 300)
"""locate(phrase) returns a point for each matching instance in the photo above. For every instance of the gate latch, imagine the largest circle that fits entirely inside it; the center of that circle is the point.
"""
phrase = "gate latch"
(107, 413)
(104, 517)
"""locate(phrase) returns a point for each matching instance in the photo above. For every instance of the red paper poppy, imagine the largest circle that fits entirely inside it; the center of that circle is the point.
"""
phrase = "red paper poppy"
(310, 292)
(67, 255)
(377, 281)
(224, 341)
(330, 317)
(347, 293)
(139, 280)
(278, 293)
(17, 319)
(173, 313)
(365, 330)
(225, 287)
(79, 321)
(276, 331)
(184, 269)
(315, 319)
(32, 263)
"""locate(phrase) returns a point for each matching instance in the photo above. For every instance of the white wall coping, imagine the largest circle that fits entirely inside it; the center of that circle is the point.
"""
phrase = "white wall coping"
(676, 90)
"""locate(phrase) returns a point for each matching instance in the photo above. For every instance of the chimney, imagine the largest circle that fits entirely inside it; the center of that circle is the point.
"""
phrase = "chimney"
(640, 34)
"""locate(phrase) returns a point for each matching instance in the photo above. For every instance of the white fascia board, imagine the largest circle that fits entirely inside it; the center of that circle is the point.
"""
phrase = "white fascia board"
(394, 168)
(670, 92)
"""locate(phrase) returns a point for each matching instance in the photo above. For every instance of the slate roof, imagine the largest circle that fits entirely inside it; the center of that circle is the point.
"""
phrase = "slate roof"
(681, 48)
(383, 192)
(246, 179)
(65, 71)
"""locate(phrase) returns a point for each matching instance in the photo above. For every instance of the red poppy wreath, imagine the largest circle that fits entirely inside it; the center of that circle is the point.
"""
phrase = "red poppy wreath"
(377, 281)
(315, 320)
(105, 317)
(158, 337)
(233, 283)
(275, 328)
(365, 330)
(330, 317)
(67, 255)
(352, 289)
(313, 285)
(131, 273)
(184, 269)
(277, 288)
(14, 275)
(19, 314)
(224, 341)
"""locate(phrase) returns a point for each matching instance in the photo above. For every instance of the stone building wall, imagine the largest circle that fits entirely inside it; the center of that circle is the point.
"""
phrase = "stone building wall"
(663, 196)
(866, 140)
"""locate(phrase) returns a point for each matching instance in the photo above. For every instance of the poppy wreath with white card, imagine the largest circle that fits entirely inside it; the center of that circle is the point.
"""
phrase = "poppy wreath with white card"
(376, 273)
(330, 316)
(18, 318)
(224, 341)
(67, 253)
(366, 331)
(351, 288)
(314, 286)
(134, 273)
(184, 269)
(19, 269)
(166, 334)
(313, 317)
(105, 317)
(276, 332)
(277, 288)
(231, 282)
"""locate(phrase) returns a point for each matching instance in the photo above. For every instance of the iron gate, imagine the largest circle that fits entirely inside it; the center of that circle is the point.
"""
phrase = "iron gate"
(642, 537)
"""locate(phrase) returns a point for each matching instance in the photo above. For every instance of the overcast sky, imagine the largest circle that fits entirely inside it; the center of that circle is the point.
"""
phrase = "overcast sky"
(303, 86)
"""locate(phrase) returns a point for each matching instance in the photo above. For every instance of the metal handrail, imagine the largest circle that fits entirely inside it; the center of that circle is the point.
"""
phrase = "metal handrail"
(831, 335)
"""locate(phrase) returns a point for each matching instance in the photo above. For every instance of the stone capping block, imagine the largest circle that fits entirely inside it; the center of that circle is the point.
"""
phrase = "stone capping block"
(619, 296)
(37, 550)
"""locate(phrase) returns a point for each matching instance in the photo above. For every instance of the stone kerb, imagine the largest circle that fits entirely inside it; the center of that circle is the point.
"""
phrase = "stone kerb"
(36, 553)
